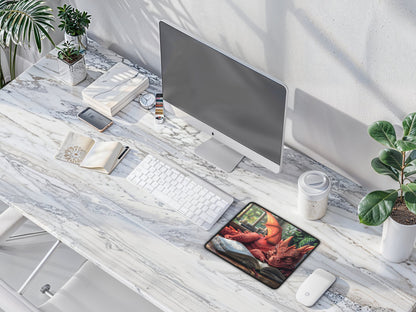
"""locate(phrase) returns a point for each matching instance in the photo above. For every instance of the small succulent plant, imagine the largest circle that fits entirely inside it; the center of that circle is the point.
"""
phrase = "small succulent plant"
(69, 53)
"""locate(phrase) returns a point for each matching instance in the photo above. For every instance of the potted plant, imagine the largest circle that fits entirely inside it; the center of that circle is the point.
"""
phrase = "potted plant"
(72, 67)
(22, 22)
(395, 207)
(75, 24)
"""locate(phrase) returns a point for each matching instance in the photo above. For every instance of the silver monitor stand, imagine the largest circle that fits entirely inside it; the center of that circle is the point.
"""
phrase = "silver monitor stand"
(219, 154)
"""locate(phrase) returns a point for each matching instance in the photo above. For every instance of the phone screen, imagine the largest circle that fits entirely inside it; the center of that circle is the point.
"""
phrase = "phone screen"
(95, 118)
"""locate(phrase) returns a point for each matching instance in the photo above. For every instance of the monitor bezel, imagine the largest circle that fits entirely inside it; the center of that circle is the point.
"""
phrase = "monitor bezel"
(214, 133)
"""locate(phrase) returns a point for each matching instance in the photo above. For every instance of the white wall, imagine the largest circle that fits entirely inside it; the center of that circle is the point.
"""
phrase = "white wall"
(346, 63)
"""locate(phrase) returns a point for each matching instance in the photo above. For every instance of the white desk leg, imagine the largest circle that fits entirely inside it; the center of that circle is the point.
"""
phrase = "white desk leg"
(36, 270)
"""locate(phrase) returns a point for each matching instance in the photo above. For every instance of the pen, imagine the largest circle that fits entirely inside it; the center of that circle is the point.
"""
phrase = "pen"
(124, 152)
(120, 157)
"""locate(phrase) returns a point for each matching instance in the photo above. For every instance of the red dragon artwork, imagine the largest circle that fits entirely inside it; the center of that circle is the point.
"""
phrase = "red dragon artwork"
(270, 248)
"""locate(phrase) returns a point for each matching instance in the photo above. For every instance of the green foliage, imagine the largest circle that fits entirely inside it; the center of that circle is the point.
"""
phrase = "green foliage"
(381, 168)
(409, 125)
(23, 22)
(410, 196)
(391, 158)
(376, 207)
(69, 53)
(73, 21)
(307, 241)
(288, 230)
(383, 132)
(299, 238)
(398, 161)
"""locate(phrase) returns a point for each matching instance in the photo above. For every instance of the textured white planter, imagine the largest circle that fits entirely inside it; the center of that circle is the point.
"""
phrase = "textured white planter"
(72, 73)
(397, 241)
(78, 41)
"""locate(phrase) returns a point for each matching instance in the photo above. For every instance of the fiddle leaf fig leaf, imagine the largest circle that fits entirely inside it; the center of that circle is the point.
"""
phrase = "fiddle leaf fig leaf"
(411, 157)
(383, 132)
(409, 125)
(381, 168)
(409, 170)
(391, 158)
(410, 196)
(408, 143)
(376, 207)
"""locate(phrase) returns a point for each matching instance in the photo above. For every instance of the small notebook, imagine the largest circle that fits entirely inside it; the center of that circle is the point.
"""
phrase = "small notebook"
(87, 153)
(112, 91)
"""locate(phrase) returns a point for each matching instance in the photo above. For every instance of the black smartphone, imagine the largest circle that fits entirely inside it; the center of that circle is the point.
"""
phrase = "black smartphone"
(95, 119)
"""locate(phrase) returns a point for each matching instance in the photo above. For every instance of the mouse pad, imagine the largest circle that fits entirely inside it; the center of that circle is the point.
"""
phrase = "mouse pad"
(263, 245)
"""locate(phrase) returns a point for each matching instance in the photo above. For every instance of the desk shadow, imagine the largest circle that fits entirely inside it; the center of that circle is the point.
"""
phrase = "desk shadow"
(335, 136)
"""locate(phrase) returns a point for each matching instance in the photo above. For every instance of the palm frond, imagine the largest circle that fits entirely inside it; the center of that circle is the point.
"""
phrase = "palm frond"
(25, 21)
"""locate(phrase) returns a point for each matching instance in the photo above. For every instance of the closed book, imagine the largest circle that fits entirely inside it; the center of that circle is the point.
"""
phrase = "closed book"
(112, 91)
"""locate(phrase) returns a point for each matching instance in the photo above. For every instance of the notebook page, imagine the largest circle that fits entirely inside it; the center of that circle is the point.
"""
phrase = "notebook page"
(102, 156)
(74, 148)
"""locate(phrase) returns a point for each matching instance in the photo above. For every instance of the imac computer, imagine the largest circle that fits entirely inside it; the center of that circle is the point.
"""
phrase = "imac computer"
(241, 108)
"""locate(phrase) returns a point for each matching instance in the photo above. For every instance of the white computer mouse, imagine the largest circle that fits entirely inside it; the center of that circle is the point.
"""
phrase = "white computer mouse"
(314, 287)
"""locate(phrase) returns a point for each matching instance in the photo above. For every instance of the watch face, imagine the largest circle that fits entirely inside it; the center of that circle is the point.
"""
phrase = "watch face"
(147, 100)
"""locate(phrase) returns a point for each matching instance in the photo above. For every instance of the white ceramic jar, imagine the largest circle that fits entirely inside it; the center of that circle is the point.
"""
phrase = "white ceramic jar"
(313, 191)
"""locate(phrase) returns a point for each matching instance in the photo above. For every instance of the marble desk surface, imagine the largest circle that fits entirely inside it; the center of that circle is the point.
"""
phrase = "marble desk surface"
(147, 245)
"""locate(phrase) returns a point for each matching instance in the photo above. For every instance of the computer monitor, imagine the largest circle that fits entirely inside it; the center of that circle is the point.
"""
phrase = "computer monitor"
(240, 107)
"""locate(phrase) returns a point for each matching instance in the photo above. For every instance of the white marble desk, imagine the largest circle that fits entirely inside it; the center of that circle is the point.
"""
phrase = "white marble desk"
(150, 247)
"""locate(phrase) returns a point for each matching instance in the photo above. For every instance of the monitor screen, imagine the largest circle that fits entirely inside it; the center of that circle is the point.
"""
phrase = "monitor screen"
(225, 94)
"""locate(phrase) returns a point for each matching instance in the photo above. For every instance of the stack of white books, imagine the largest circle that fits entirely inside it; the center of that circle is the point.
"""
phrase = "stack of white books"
(112, 91)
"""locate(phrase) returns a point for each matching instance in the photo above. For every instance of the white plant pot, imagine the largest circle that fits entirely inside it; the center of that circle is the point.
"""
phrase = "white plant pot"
(397, 241)
(72, 73)
(78, 41)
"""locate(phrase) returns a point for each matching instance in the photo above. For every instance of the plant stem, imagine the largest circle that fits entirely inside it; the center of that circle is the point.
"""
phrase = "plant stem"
(402, 175)
(2, 81)
(12, 60)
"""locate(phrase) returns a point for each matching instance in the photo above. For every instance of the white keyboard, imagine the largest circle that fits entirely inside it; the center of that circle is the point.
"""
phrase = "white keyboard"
(199, 201)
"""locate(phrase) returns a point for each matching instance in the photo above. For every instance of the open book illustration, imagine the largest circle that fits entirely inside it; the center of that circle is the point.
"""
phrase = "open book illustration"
(238, 252)
(85, 152)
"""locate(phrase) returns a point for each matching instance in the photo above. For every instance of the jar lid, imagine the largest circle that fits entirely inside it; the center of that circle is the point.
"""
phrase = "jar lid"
(314, 184)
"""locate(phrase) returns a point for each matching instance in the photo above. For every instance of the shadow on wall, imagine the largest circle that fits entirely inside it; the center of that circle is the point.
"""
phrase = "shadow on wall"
(332, 45)
(346, 140)
(130, 28)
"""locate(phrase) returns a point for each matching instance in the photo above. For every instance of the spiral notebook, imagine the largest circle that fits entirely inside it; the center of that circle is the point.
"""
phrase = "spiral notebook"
(263, 245)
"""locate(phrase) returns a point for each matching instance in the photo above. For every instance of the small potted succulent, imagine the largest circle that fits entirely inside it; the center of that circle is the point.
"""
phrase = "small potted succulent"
(395, 207)
(72, 69)
(75, 24)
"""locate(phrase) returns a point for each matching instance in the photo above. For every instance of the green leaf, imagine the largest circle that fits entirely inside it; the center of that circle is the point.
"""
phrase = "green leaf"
(411, 157)
(383, 132)
(391, 158)
(22, 23)
(376, 206)
(410, 170)
(381, 168)
(410, 196)
(409, 125)
(408, 143)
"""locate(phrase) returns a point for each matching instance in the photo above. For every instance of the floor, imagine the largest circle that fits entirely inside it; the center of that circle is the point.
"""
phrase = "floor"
(18, 257)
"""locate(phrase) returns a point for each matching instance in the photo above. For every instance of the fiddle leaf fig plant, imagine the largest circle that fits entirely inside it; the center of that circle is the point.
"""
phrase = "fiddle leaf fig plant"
(398, 161)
